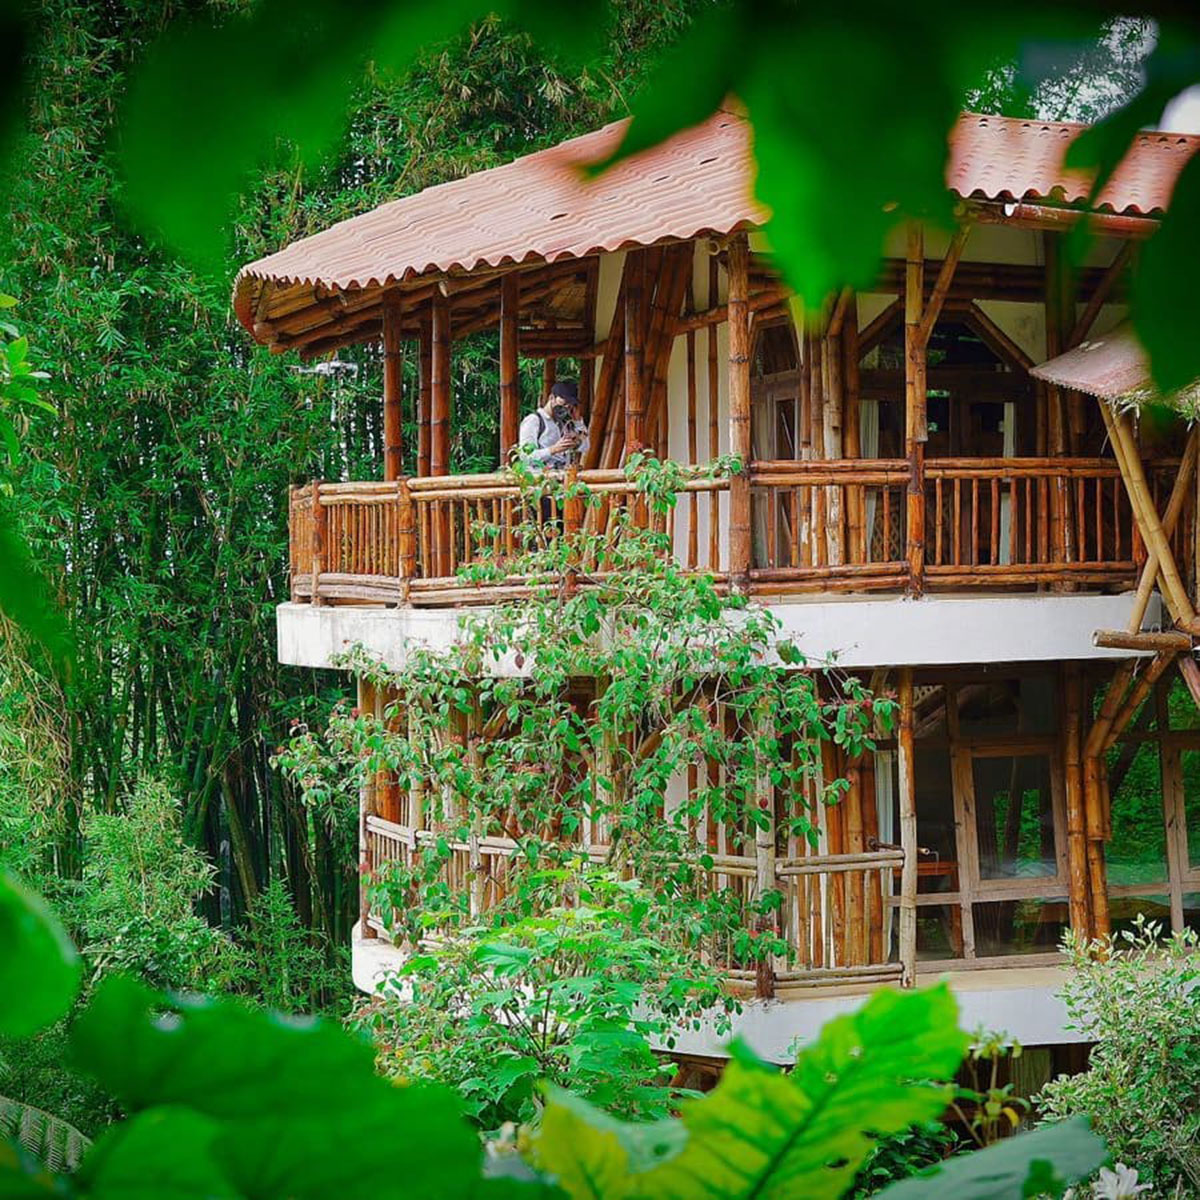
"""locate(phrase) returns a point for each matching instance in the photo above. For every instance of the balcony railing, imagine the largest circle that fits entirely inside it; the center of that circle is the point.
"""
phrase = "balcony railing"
(839, 525)
(834, 917)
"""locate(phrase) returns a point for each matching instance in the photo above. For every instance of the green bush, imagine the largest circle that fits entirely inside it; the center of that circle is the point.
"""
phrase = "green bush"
(1136, 997)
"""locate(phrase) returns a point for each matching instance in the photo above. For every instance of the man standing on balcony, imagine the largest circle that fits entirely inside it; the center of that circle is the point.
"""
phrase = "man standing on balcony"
(552, 436)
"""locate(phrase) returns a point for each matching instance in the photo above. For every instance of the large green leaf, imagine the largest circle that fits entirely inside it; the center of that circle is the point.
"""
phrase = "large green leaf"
(301, 1111)
(25, 597)
(593, 1155)
(761, 1133)
(162, 1154)
(39, 967)
(1040, 1163)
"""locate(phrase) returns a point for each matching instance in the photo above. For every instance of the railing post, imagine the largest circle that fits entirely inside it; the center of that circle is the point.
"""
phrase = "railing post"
(916, 419)
(764, 850)
(908, 832)
(293, 523)
(572, 521)
(406, 537)
(320, 531)
(739, 412)
(393, 387)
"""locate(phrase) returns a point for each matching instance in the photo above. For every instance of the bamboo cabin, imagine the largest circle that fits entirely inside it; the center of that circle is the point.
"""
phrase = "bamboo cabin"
(943, 478)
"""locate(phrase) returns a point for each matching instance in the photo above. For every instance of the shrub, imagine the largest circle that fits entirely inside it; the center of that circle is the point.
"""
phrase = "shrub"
(1136, 997)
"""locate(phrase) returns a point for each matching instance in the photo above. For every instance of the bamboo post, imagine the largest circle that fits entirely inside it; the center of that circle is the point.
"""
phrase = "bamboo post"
(510, 375)
(406, 535)
(764, 847)
(916, 419)
(424, 396)
(635, 344)
(1061, 523)
(439, 432)
(320, 533)
(714, 428)
(365, 699)
(908, 831)
(393, 388)
(1077, 858)
(1146, 516)
(739, 411)
(1140, 690)
(693, 531)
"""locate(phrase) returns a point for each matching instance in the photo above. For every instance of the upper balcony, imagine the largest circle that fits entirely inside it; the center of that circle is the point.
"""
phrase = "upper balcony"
(837, 526)
(899, 442)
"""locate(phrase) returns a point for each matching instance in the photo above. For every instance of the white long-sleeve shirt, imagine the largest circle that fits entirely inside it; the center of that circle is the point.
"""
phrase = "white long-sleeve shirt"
(541, 432)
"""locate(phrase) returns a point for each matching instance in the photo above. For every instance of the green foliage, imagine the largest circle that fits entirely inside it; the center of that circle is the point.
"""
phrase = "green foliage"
(136, 906)
(902, 1154)
(989, 1109)
(762, 1133)
(39, 968)
(1137, 998)
(577, 996)
(47, 1138)
(227, 1101)
(289, 969)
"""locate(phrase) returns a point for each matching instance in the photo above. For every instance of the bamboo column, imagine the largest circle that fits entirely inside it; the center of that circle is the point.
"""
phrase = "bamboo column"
(365, 699)
(393, 388)
(439, 430)
(693, 530)
(916, 420)
(320, 535)
(764, 848)
(635, 342)
(739, 411)
(510, 380)
(1077, 856)
(1061, 524)
(714, 428)
(406, 538)
(424, 397)
(908, 830)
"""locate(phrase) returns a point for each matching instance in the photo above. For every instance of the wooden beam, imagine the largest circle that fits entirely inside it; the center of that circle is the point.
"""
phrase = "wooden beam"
(933, 306)
(1190, 671)
(635, 348)
(908, 829)
(1146, 516)
(738, 262)
(1100, 294)
(880, 325)
(1046, 217)
(393, 389)
(440, 384)
(1149, 676)
(1077, 860)
(1150, 643)
(1179, 496)
(996, 338)
(915, 416)
(424, 398)
(510, 371)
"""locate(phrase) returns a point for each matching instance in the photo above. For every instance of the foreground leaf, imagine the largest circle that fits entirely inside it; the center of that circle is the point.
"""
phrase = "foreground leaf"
(50, 1139)
(764, 1134)
(39, 967)
(299, 1108)
(1031, 1164)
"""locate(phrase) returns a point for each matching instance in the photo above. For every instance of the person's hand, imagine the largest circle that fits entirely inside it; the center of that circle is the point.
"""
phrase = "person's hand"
(563, 445)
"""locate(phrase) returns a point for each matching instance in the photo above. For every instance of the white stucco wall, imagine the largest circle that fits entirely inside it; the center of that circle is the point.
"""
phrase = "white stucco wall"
(865, 631)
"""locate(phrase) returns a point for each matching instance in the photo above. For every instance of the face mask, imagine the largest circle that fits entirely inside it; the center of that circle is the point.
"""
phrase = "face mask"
(561, 414)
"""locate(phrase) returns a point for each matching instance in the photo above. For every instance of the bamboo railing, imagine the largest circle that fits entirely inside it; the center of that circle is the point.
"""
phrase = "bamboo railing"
(840, 525)
(830, 940)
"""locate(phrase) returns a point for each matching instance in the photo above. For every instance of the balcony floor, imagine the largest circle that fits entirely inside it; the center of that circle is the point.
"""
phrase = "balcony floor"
(864, 631)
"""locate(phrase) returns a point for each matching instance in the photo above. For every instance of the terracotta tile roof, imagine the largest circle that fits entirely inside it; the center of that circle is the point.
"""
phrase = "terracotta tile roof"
(539, 208)
(1004, 158)
(1111, 366)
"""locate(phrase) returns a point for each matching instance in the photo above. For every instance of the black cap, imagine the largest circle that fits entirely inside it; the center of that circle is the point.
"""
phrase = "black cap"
(566, 390)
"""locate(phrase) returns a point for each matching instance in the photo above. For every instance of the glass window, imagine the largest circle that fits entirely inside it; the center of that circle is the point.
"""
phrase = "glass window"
(939, 932)
(1123, 912)
(1137, 851)
(1014, 817)
(1191, 910)
(1025, 705)
(1033, 926)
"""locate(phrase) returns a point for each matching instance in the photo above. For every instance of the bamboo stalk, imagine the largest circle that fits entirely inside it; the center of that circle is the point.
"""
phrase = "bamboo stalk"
(635, 335)
(1077, 858)
(393, 388)
(908, 830)
(510, 372)
(738, 261)
(916, 420)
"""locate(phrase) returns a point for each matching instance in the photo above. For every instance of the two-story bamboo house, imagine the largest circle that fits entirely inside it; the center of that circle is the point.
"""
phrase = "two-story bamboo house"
(1017, 560)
